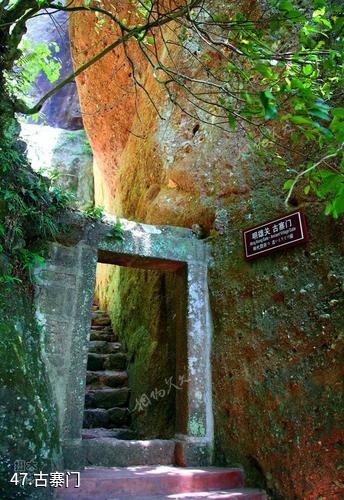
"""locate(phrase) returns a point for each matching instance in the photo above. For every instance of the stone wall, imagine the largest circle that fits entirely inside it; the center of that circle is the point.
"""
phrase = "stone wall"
(65, 156)
(28, 421)
(277, 321)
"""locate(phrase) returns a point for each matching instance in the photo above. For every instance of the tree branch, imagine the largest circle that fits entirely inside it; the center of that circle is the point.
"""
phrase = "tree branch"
(21, 107)
(310, 169)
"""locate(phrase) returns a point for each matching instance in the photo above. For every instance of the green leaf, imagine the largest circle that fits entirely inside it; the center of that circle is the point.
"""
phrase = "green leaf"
(286, 6)
(266, 99)
(338, 112)
(318, 113)
(338, 204)
(298, 119)
(307, 69)
(231, 120)
(331, 183)
(288, 184)
(264, 70)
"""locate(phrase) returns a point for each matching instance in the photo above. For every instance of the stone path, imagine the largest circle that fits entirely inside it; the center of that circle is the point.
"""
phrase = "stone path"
(107, 438)
(120, 467)
(161, 482)
(107, 393)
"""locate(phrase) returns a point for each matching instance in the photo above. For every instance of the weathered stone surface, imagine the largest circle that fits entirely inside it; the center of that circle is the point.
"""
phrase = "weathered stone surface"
(109, 378)
(106, 398)
(64, 316)
(62, 110)
(64, 305)
(102, 329)
(28, 421)
(232, 494)
(101, 362)
(67, 155)
(101, 321)
(171, 482)
(104, 347)
(114, 417)
(109, 452)
(123, 433)
(99, 335)
(117, 361)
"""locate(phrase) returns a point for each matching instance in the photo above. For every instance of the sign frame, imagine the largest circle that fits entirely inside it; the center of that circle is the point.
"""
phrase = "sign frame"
(280, 247)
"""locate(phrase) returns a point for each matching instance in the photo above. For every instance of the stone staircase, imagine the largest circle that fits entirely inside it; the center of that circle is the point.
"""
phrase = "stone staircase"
(108, 440)
(159, 482)
(107, 392)
(120, 467)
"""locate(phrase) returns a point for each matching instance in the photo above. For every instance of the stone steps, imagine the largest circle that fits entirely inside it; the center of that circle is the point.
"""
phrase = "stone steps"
(106, 413)
(161, 482)
(104, 347)
(101, 362)
(102, 336)
(107, 398)
(108, 418)
(102, 320)
(99, 328)
(122, 433)
(232, 494)
(108, 378)
(122, 467)
(108, 452)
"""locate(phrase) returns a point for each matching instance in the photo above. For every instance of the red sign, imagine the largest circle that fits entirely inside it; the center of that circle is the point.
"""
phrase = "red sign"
(278, 234)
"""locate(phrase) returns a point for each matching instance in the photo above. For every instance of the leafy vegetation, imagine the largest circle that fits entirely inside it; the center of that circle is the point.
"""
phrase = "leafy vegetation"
(278, 74)
(29, 210)
(297, 56)
(34, 59)
(96, 212)
(117, 232)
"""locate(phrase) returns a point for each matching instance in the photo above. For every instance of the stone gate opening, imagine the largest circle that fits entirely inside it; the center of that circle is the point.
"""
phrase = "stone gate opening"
(64, 296)
(137, 317)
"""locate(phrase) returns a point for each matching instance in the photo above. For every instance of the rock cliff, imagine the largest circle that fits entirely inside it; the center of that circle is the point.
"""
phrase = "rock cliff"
(58, 146)
(277, 321)
(62, 110)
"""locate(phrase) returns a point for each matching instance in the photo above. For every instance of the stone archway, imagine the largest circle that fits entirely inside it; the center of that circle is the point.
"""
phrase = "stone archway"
(64, 294)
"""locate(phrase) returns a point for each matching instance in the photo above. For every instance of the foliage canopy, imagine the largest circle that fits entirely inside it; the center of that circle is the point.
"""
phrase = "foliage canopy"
(277, 72)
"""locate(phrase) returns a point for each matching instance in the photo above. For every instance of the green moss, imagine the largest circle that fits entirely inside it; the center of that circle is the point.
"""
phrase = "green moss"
(197, 427)
(276, 354)
(28, 428)
(146, 323)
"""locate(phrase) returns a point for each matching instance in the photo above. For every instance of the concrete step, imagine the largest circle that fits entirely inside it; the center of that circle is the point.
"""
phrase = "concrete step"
(100, 320)
(96, 313)
(101, 362)
(107, 398)
(108, 452)
(100, 328)
(108, 378)
(232, 494)
(122, 433)
(161, 482)
(100, 335)
(104, 347)
(100, 417)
